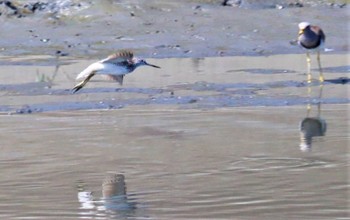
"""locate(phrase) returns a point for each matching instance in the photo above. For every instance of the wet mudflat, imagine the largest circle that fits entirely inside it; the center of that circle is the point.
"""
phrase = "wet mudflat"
(182, 83)
(165, 28)
(213, 138)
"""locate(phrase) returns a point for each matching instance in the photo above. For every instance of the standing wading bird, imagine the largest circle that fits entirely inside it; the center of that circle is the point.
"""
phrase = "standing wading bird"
(311, 37)
(115, 66)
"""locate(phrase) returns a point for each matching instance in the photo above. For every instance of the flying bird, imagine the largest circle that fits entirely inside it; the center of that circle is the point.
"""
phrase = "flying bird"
(115, 66)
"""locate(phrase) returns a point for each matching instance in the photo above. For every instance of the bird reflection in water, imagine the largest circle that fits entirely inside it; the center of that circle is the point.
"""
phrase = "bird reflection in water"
(114, 193)
(113, 203)
(312, 126)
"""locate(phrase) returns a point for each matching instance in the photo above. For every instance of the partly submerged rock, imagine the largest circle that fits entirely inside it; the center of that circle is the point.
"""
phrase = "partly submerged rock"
(25, 8)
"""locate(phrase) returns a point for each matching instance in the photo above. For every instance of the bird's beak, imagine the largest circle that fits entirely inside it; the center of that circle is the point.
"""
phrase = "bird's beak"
(301, 31)
(152, 65)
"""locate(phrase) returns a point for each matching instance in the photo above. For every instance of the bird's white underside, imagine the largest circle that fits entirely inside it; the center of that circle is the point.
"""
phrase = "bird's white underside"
(104, 69)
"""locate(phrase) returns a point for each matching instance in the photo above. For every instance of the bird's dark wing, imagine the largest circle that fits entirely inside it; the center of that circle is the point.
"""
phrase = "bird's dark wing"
(319, 32)
(119, 57)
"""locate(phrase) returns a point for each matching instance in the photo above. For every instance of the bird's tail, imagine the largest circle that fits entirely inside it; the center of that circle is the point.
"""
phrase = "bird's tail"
(90, 69)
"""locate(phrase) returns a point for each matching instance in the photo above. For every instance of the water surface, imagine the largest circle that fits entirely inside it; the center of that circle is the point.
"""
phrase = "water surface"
(178, 164)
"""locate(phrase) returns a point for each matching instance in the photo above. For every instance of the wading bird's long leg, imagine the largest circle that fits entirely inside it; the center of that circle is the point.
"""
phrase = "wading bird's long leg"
(308, 61)
(82, 84)
(319, 103)
(308, 107)
(319, 66)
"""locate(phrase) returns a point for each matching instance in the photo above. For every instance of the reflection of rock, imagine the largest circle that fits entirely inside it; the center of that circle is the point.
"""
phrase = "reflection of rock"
(309, 128)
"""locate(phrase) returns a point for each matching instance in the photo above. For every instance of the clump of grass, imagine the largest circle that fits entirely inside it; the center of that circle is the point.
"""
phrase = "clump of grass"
(42, 77)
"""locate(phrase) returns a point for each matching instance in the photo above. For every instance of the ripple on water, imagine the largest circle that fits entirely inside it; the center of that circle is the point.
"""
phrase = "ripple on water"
(262, 163)
(264, 71)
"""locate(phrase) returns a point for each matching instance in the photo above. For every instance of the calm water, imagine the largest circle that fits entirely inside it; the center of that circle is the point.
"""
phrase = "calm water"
(202, 160)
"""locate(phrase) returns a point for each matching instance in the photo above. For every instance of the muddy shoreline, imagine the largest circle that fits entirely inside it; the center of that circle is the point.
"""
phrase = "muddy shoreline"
(164, 29)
